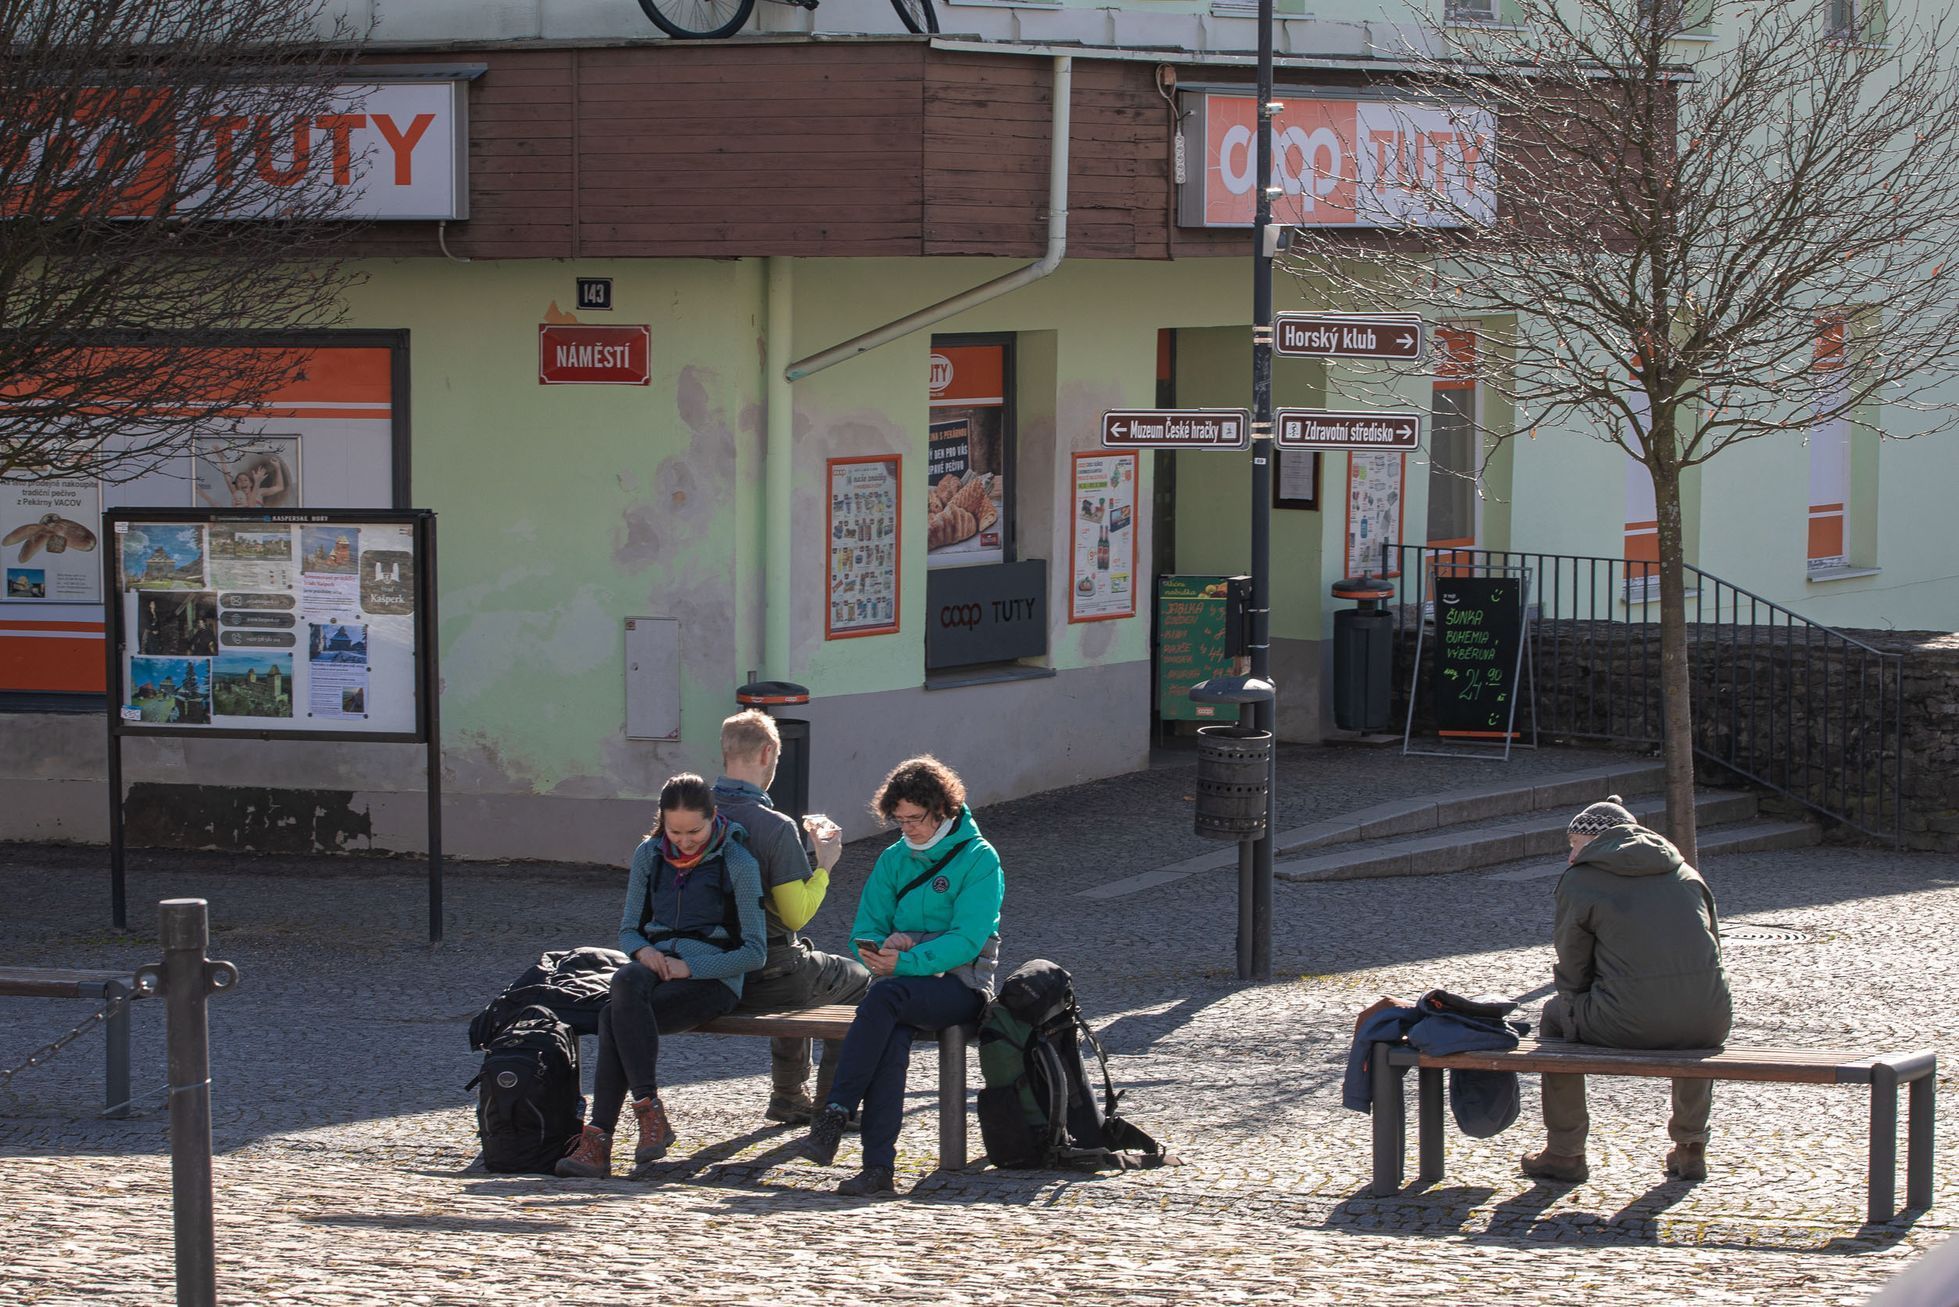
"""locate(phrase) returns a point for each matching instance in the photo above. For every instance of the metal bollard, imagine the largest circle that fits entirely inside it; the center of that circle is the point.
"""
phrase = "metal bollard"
(184, 979)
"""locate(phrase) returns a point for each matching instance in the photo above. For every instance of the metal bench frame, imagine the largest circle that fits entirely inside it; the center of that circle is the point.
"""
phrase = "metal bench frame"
(833, 1022)
(107, 986)
(1883, 1073)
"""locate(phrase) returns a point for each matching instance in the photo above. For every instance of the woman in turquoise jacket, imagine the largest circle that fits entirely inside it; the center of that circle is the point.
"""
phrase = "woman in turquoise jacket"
(928, 927)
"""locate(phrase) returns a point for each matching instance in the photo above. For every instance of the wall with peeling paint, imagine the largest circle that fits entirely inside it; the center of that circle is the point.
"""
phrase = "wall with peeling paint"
(565, 510)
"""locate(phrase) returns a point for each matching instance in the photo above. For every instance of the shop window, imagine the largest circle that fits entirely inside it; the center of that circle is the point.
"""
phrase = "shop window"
(970, 454)
(1455, 473)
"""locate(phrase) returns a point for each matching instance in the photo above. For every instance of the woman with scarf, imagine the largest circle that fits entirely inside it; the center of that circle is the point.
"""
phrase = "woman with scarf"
(928, 927)
(693, 926)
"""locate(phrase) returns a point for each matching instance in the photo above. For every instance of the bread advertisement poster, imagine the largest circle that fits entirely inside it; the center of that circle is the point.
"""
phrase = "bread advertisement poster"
(966, 457)
(48, 540)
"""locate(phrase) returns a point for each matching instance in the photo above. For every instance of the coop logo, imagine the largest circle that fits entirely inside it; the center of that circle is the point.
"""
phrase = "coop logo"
(961, 616)
(941, 373)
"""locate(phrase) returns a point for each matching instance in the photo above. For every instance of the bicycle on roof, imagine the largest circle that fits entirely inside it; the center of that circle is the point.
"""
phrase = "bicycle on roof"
(711, 20)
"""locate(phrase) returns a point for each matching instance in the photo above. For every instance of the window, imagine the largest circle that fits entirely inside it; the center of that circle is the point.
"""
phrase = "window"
(1469, 11)
(1855, 20)
(1833, 483)
(1454, 471)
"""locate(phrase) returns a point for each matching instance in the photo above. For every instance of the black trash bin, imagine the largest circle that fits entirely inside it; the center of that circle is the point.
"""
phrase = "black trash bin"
(1233, 763)
(1363, 656)
(790, 793)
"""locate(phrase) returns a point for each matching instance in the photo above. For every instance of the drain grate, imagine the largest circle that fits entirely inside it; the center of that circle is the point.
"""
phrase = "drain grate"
(1765, 934)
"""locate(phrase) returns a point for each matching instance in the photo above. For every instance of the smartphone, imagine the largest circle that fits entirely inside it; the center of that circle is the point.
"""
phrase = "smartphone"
(871, 945)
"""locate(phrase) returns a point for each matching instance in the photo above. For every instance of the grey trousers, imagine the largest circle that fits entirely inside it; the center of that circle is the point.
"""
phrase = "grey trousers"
(797, 976)
(1566, 1120)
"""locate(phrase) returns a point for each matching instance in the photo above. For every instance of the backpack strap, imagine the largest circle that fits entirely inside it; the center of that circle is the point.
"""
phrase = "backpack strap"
(932, 870)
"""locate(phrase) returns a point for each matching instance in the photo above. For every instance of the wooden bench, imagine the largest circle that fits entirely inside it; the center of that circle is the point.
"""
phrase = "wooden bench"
(1800, 1066)
(48, 982)
(834, 1022)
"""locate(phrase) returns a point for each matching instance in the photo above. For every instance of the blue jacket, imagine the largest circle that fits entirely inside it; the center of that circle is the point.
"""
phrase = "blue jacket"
(1484, 1102)
(697, 904)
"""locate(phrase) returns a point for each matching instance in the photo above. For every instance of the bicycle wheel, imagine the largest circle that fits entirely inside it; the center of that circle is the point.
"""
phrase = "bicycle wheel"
(917, 15)
(700, 20)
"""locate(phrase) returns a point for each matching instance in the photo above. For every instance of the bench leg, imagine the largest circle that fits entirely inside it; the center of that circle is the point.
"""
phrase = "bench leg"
(1884, 1144)
(952, 1098)
(1918, 1142)
(1428, 1122)
(116, 1102)
(1390, 1125)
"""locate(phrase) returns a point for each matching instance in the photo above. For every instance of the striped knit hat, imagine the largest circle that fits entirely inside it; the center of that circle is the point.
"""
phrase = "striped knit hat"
(1602, 817)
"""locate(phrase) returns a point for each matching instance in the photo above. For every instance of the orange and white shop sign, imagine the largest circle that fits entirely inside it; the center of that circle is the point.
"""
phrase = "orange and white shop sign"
(1345, 162)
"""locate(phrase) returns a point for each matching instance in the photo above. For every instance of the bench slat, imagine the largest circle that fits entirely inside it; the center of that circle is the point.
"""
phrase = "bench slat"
(58, 982)
(831, 1022)
(1787, 1065)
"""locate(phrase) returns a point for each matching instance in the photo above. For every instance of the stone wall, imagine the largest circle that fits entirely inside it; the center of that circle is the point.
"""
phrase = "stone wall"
(1850, 731)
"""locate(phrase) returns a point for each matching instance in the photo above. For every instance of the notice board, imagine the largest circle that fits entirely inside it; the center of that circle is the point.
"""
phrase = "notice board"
(1189, 645)
(1479, 624)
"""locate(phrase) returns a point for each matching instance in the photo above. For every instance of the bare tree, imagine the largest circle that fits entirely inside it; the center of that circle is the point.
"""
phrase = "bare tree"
(1716, 221)
(167, 175)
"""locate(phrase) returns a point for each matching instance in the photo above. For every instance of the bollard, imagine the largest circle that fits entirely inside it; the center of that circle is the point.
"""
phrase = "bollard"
(185, 979)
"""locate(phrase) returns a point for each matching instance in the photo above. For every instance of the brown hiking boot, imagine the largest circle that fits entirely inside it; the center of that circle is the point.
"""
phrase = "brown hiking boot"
(790, 1109)
(655, 1135)
(1564, 1168)
(590, 1155)
(1688, 1162)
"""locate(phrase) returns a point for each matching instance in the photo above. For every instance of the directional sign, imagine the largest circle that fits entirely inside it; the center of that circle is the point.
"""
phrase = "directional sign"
(1176, 428)
(1394, 336)
(1317, 428)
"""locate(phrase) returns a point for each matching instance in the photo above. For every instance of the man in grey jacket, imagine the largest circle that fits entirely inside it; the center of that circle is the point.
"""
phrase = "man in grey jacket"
(1639, 966)
(795, 974)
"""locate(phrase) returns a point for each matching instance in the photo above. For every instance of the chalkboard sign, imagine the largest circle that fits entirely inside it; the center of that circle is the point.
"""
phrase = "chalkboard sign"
(1479, 623)
(1190, 645)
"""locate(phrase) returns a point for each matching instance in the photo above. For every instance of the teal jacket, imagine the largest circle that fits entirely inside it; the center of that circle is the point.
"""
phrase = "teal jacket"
(953, 919)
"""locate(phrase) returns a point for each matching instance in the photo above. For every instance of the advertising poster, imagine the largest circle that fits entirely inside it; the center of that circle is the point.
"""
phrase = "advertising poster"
(862, 576)
(47, 540)
(262, 472)
(1102, 559)
(248, 624)
(1296, 478)
(966, 459)
(1374, 493)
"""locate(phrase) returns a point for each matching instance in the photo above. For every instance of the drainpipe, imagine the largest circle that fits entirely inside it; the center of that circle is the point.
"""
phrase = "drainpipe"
(1064, 74)
(778, 463)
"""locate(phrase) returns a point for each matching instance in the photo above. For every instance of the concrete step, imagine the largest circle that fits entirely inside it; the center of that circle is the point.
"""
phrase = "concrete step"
(1748, 837)
(1490, 843)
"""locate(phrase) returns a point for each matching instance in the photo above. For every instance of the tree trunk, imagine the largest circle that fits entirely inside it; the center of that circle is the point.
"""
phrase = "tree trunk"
(1676, 684)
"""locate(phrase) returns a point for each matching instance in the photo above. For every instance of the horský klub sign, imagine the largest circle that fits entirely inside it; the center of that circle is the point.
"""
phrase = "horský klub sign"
(1339, 162)
(391, 151)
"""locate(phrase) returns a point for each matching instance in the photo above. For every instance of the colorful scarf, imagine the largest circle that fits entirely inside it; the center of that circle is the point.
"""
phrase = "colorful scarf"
(717, 835)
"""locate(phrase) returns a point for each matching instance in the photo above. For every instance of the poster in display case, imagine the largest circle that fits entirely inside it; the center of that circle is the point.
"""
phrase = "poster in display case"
(861, 533)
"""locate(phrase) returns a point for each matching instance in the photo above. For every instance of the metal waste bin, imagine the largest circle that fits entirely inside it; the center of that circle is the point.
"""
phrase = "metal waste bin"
(1363, 656)
(1233, 763)
(790, 792)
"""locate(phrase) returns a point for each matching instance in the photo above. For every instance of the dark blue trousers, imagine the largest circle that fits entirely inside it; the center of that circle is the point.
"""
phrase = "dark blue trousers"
(871, 1068)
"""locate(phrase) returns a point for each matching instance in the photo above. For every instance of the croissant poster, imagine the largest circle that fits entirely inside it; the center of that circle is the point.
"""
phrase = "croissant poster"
(966, 456)
(47, 540)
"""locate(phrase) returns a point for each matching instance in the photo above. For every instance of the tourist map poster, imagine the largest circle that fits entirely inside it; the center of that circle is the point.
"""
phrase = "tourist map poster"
(266, 623)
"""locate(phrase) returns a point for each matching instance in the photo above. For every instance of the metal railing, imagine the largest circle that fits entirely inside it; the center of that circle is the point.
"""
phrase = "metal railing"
(1800, 708)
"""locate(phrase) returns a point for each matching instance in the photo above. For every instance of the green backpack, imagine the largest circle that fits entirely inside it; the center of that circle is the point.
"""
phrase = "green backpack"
(1036, 1109)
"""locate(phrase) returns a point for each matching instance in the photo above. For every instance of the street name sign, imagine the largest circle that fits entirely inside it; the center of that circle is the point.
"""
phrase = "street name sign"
(1395, 337)
(1316, 428)
(1176, 428)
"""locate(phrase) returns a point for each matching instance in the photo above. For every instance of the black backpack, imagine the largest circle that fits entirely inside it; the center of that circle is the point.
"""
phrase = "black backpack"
(1037, 1109)
(527, 1107)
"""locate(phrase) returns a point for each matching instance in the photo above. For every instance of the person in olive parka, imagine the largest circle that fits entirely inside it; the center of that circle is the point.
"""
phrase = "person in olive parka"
(1639, 966)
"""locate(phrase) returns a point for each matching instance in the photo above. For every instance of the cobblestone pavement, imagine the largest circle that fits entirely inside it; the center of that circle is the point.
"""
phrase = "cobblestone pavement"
(343, 1131)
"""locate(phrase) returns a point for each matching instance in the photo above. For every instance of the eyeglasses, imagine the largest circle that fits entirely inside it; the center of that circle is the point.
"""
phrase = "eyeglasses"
(922, 819)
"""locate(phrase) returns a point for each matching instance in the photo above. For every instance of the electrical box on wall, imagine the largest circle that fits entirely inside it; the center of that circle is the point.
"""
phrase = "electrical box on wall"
(652, 678)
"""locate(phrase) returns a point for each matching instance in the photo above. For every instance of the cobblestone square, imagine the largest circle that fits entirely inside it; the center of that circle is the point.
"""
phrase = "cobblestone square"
(343, 1132)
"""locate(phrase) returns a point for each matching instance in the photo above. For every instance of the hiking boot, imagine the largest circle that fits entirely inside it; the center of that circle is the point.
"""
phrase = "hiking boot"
(870, 1181)
(1688, 1162)
(825, 1133)
(655, 1135)
(1564, 1168)
(790, 1109)
(589, 1157)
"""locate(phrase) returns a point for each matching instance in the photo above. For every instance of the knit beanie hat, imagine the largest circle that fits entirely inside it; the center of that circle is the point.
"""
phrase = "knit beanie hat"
(1602, 817)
